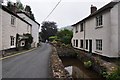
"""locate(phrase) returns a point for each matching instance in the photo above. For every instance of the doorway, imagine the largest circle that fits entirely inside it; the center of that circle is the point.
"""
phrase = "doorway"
(90, 46)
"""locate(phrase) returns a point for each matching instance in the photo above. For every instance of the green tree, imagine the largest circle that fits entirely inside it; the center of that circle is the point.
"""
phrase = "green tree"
(29, 12)
(19, 6)
(65, 36)
(48, 29)
(15, 7)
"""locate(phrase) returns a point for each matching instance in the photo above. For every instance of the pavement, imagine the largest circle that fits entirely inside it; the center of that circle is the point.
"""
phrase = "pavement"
(33, 64)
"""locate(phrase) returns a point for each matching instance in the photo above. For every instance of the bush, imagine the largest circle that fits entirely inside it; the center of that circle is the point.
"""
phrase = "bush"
(52, 38)
(88, 64)
(54, 42)
(115, 75)
(28, 41)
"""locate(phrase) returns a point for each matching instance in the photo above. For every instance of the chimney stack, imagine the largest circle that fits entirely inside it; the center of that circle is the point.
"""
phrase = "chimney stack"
(93, 9)
(14, 8)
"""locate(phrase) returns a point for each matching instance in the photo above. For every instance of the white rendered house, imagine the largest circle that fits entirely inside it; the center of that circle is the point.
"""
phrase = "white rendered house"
(12, 24)
(35, 27)
(99, 33)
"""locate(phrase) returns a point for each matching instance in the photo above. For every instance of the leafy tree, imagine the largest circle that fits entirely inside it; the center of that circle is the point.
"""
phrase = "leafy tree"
(48, 29)
(65, 36)
(28, 9)
(29, 12)
(19, 6)
(11, 6)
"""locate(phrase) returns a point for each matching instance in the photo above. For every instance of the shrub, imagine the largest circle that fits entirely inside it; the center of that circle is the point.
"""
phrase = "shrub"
(115, 75)
(28, 41)
(52, 38)
(87, 64)
(54, 42)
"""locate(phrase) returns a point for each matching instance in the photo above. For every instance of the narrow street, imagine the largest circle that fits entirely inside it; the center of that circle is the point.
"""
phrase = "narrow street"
(33, 64)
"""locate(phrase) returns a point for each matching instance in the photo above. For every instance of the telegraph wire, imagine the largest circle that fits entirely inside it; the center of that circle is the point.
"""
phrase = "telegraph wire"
(53, 9)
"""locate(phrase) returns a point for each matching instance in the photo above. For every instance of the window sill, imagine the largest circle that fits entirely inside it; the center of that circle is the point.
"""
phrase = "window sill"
(99, 52)
(81, 31)
(97, 27)
(12, 25)
(12, 46)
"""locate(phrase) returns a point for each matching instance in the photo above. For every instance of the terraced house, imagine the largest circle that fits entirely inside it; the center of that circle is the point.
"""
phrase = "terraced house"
(11, 25)
(99, 33)
(35, 27)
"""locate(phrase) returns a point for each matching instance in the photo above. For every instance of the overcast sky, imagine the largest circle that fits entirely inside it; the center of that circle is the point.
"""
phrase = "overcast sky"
(67, 12)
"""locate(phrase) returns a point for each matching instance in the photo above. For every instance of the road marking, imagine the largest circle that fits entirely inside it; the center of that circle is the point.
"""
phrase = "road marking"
(16, 54)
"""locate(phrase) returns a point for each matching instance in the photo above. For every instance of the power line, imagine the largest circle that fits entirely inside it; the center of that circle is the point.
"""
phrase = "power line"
(53, 9)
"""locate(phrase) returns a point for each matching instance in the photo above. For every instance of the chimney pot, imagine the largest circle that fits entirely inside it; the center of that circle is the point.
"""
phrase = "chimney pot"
(93, 9)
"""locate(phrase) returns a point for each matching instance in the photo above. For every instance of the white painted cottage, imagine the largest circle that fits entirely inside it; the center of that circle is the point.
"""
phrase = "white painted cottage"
(99, 33)
(11, 25)
(0, 27)
(35, 27)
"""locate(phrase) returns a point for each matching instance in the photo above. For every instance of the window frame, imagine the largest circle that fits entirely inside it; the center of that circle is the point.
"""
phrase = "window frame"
(76, 29)
(99, 21)
(12, 42)
(86, 44)
(13, 20)
(82, 27)
(76, 42)
(81, 43)
(99, 44)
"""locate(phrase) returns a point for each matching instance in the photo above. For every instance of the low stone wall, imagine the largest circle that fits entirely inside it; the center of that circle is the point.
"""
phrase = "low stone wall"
(57, 67)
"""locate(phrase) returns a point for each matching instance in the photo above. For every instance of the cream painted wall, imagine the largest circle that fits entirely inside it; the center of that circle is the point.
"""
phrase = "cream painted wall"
(114, 30)
(0, 28)
(8, 30)
(23, 27)
(109, 33)
(35, 29)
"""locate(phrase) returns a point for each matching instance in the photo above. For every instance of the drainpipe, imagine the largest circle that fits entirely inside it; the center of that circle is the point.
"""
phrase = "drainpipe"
(1, 38)
(84, 37)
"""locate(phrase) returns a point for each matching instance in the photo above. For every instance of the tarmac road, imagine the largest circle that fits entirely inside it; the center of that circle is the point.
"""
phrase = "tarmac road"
(33, 64)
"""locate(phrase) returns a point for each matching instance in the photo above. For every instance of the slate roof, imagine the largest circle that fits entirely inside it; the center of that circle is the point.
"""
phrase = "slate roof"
(29, 17)
(10, 12)
(106, 7)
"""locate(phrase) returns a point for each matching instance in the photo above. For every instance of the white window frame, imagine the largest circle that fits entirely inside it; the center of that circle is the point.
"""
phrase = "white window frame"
(76, 29)
(86, 44)
(13, 20)
(81, 43)
(82, 27)
(99, 44)
(99, 21)
(76, 42)
(12, 41)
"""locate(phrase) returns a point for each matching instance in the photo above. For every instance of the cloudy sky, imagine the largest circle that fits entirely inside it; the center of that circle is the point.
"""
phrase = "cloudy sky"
(67, 12)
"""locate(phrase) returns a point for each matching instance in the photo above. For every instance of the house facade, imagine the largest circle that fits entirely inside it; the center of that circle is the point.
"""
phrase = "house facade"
(11, 25)
(99, 33)
(0, 28)
(35, 27)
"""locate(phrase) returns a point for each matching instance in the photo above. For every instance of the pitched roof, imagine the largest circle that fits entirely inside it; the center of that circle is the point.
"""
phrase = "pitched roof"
(10, 12)
(106, 7)
(29, 17)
